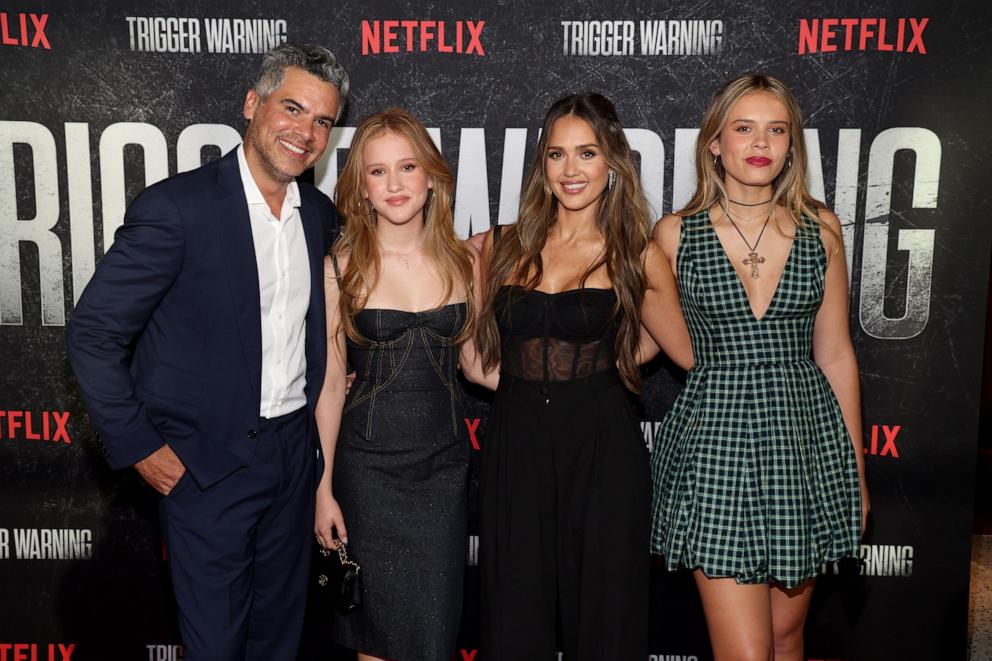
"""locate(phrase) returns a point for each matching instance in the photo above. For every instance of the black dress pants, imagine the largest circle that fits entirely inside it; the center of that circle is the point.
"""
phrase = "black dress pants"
(239, 551)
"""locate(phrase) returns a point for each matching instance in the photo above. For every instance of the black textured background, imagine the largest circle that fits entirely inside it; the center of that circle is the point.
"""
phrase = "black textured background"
(113, 605)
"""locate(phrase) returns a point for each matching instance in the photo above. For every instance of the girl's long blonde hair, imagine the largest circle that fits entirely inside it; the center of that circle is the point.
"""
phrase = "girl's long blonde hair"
(358, 240)
(623, 217)
(789, 187)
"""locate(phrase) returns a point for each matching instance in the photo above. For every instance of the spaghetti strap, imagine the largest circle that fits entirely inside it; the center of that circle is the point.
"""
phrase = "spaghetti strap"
(334, 261)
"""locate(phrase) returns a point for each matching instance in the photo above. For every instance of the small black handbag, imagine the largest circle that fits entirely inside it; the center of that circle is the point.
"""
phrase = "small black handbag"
(338, 577)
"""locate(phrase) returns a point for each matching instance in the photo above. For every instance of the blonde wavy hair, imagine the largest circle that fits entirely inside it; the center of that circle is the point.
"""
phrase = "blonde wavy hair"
(789, 187)
(358, 241)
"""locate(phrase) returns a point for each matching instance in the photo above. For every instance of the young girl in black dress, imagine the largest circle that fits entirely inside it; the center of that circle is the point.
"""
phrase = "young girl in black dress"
(400, 291)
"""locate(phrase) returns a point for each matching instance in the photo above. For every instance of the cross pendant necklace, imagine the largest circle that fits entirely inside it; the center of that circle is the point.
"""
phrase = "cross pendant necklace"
(753, 258)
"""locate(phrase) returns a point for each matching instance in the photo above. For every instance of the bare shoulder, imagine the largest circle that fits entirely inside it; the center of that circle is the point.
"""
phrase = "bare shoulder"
(830, 231)
(654, 254)
(474, 245)
(667, 227)
(482, 242)
(477, 240)
(829, 219)
(474, 249)
(330, 272)
(666, 234)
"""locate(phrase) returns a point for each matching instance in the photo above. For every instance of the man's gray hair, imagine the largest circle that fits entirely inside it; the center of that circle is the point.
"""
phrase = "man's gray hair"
(315, 60)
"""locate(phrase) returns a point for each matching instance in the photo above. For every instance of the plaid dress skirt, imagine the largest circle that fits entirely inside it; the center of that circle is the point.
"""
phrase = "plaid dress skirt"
(753, 469)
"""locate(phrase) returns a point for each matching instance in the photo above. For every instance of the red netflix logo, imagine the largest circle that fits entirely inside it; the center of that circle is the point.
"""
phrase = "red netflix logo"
(51, 426)
(882, 441)
(15, 31)
(828, 35)
(36, 652)
(461, 37)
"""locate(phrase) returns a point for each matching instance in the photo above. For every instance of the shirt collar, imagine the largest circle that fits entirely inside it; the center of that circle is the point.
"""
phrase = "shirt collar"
(253, 195)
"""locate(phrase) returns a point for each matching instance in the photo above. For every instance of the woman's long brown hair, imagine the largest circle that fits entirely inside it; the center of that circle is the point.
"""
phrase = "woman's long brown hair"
(358, 241)
(623, 217)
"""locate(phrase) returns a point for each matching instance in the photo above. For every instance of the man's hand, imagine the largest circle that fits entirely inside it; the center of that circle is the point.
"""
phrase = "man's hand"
(161, 469)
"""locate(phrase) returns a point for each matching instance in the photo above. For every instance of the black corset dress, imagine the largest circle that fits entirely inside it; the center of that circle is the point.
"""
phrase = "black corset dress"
(400, 477)
(565, 487)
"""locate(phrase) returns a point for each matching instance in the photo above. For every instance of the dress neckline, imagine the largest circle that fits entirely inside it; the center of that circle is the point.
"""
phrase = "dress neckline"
(413, 312)
(742, 290)
(594, 290)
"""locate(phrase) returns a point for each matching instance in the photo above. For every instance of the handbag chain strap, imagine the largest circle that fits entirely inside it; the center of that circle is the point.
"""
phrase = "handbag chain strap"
(342, 555)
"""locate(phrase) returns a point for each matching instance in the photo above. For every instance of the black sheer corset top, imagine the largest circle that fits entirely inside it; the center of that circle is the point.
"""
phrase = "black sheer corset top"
(556, 337)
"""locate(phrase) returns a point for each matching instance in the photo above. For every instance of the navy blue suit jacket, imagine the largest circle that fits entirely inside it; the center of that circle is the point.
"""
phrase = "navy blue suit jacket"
(166, 340)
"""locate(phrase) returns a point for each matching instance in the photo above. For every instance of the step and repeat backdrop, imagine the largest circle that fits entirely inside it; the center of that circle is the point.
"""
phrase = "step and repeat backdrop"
(101, 99)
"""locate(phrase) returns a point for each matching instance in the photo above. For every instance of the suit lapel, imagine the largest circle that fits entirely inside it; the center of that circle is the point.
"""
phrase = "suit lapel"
(242, 270)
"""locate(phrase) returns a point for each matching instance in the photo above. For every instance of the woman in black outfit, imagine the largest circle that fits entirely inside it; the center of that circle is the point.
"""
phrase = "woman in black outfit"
(565, 486)
(400, 290)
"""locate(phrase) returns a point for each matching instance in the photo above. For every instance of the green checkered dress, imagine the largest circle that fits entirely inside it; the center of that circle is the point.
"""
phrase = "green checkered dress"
(754, 472)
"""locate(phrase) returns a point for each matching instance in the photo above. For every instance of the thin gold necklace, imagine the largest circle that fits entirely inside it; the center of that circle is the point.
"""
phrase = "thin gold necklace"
(737, 216)
(405, 256)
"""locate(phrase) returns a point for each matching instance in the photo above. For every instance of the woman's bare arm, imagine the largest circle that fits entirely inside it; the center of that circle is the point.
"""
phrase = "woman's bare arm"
(833, 350)
(329, 518)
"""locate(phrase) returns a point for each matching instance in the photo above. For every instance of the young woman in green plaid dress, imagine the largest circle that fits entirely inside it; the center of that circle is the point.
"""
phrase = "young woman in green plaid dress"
(758, 469)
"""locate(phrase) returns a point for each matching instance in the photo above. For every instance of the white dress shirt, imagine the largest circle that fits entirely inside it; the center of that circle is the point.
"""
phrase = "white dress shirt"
(284, 293)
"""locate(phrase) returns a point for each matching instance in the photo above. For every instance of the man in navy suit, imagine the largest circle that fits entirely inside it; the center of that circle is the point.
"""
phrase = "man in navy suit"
(200, 346)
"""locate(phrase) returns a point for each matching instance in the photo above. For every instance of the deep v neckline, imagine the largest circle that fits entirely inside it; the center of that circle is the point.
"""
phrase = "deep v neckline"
(741, 289)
